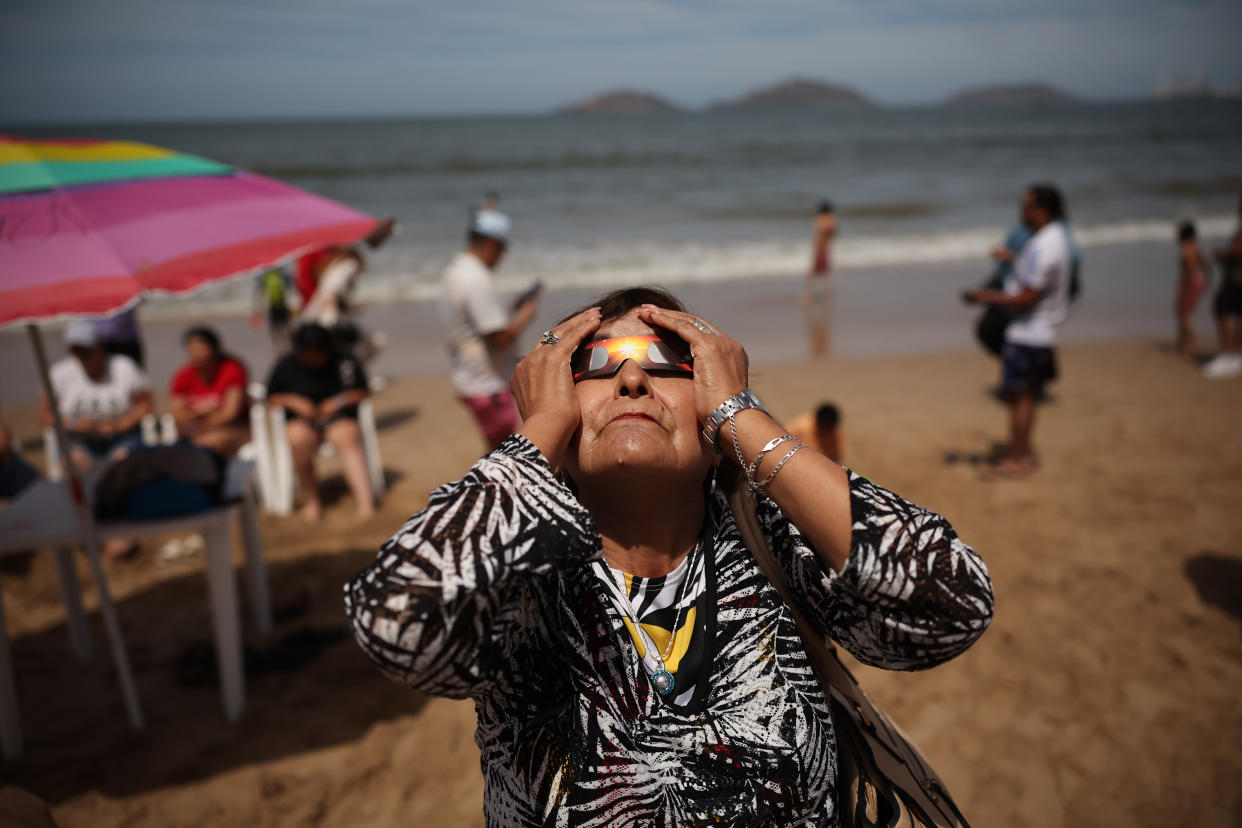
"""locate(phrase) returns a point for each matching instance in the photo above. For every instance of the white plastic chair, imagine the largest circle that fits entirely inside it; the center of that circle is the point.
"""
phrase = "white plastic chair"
(284, 481)
(259, 451)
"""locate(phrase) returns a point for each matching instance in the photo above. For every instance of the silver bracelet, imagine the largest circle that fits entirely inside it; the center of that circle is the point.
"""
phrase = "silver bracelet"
(763, 484)
(753, 468)
(737, 446)
(740, 401)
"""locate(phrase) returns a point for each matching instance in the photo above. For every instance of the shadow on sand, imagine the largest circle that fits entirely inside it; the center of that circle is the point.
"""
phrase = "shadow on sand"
(307, 688)
(394, 418)
(1218, 580)
(995, 452)
(333, 488)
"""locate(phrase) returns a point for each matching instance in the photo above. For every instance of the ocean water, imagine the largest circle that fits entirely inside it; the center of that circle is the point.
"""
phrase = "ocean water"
(600, 201)
(720, 207)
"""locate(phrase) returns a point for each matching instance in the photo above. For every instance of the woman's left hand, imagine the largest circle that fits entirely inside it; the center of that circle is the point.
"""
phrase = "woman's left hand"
(720, 363)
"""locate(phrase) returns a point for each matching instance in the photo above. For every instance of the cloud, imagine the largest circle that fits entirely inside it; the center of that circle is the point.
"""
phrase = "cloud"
(88, 60)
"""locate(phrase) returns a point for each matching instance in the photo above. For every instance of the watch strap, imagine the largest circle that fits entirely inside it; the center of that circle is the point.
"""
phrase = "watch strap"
(740, 401)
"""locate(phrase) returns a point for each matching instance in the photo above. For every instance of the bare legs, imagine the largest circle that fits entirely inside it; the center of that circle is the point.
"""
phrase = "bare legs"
(1021, 421)
(1020, 461)
(1228, 327)
(345, 436)
(223, 440)
(113, 548)
(1187, 344)
(303, 443)
(347, 440)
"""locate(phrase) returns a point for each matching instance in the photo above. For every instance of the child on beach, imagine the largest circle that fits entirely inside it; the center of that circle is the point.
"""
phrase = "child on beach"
(821, 430)
(1192, 281)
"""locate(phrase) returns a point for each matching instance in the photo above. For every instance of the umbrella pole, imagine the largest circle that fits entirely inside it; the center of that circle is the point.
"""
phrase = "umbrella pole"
(86, 521)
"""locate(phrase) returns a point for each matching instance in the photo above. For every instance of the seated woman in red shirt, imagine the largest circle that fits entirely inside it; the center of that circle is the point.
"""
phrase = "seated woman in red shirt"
(209, 395)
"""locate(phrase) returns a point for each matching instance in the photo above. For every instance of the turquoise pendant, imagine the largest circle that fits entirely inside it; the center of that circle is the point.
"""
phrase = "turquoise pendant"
(663, 682)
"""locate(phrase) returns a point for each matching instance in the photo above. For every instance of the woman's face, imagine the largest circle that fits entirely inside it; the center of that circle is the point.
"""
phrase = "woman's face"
(200, 353)
(634, 420)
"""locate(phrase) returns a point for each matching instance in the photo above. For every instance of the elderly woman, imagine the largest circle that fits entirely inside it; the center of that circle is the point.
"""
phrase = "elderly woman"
(586, 585)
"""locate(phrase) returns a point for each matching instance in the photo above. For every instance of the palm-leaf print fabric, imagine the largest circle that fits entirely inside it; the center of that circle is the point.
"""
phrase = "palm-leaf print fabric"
(488, 593)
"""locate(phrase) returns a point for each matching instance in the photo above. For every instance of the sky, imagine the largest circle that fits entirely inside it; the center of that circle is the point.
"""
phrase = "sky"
(69, 61)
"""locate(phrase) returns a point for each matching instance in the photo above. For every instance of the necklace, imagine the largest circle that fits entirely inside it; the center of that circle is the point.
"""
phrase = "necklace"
(654, 661)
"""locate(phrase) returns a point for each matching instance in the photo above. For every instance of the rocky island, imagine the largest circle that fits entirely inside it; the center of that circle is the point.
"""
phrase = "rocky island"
(620, 101)
(795, 95)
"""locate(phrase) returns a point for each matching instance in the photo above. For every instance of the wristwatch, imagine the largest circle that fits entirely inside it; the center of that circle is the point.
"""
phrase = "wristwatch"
(740, 401)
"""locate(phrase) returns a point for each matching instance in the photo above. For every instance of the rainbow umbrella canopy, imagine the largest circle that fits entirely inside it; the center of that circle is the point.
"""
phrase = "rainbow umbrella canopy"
(88, 227)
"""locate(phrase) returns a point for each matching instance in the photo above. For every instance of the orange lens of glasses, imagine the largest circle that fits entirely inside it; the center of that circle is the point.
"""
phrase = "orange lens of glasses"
(604, 357)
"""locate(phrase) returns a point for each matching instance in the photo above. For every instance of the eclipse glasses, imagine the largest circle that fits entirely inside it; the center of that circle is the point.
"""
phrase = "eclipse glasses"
(604, 357)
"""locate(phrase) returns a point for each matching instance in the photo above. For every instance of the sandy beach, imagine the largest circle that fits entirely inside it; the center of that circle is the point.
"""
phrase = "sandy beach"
(1105, 692)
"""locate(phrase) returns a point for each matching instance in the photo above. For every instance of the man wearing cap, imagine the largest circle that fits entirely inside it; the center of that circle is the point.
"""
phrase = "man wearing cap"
(102, 397)
(482, 329)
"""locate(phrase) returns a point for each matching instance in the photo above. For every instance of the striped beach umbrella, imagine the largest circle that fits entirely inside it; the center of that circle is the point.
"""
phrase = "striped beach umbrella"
(88, 227)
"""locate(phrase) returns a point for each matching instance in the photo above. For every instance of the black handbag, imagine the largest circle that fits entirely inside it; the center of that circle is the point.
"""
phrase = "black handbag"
(990, 330)
(883, 781)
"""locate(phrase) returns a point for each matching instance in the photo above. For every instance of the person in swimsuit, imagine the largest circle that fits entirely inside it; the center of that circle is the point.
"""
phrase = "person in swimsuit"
(825, 229)
(1191, 283)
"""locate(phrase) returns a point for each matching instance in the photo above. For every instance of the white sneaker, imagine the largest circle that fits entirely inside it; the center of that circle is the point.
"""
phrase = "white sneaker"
(1224, 366)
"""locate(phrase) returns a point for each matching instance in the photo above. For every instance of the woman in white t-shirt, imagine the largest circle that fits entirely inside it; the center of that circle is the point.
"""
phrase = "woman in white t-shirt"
(102, 399)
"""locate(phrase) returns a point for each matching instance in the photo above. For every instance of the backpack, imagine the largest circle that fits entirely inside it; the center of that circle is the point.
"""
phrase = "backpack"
(160, 482)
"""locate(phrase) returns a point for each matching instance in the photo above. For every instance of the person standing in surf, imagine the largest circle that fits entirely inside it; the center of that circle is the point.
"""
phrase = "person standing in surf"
(822, 235)
(1191, 283)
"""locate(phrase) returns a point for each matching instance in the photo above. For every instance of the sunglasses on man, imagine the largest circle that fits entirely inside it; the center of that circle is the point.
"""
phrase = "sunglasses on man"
(667, 354)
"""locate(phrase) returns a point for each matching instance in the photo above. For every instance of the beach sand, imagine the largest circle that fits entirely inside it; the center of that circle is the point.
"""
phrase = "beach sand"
(1105, 693)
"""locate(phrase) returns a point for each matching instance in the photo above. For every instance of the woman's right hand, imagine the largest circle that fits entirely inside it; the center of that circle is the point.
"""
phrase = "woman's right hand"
(543, 386)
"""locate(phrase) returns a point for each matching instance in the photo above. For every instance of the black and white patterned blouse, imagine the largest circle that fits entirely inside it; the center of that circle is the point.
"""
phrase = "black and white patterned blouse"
(489, 593)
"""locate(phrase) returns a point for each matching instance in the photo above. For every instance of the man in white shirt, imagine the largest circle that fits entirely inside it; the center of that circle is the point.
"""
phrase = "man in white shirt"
(1037, 291)
(481, 328)
(102, 397)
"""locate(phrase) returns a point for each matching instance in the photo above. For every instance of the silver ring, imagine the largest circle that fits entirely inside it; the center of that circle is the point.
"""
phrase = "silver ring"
(549, 338)
(704, 327)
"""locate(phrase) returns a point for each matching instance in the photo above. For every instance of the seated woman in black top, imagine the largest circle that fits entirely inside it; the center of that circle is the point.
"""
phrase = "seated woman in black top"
(320, 389)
